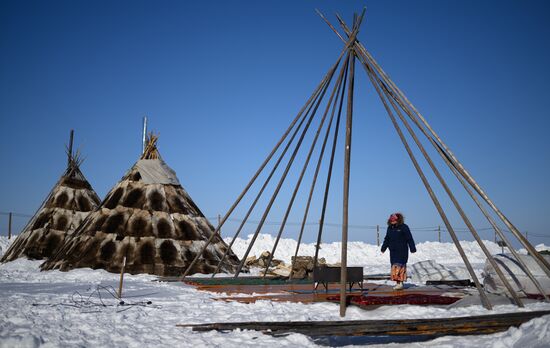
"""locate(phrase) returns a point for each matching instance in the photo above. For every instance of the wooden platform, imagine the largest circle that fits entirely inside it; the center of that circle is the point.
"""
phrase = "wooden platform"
(303, 291)
(484, 324)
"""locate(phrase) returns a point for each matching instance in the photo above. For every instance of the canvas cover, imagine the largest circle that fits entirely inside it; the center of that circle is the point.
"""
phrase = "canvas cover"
(155, 171)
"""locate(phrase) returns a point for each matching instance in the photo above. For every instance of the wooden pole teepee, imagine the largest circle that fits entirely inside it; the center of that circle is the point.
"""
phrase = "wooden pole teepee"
(401, 113)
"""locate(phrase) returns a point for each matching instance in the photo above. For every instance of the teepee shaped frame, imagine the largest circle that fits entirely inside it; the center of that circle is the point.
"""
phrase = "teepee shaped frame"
(401, 112)
(74, 161)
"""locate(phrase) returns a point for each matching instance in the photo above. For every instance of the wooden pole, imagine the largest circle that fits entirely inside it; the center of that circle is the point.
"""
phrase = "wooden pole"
(545, 265)
(484, 299)
(303, 115)
(334, 92)
(262, 166)
(474, 233)
(458, 207)
(9, 226)
(313, 183)
(70, 154)
(455, 202)
(329, 171)
(219, 223)
(377, 235)
(121, 278)
(259, 194)
(327, 78)
(490, 258)
(347, 162)
(463, 215)
(313, 104)
(497, 229)
(439, 234)
(282, 179)
(449, 154)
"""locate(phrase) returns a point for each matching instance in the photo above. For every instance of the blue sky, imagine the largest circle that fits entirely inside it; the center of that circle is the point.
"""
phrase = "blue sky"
(220, 81)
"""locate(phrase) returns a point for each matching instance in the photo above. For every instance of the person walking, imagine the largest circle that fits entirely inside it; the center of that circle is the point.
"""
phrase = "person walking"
(399, 240)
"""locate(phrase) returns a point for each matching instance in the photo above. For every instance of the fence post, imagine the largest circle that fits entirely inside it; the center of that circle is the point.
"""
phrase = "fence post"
(9, 226)
(439, 234)
(377, 235)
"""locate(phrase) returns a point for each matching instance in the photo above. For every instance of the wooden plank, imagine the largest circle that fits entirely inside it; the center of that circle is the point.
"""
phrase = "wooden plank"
(483, 324)
(282, 288)
(379, 276)
(457, 282)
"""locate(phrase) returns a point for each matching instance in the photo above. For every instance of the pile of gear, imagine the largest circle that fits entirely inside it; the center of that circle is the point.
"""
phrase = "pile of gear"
(303, 265)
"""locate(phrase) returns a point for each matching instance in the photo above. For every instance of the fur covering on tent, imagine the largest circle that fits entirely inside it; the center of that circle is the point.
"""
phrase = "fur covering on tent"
(67, 205)
(149, 219)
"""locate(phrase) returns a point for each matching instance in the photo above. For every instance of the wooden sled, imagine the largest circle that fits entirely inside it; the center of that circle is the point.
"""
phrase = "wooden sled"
(474, 325)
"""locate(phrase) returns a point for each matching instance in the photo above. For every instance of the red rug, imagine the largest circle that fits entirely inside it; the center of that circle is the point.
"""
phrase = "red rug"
(413, 299)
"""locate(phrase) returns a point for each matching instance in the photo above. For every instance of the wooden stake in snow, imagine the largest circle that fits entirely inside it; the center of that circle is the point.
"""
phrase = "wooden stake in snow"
(121, 278)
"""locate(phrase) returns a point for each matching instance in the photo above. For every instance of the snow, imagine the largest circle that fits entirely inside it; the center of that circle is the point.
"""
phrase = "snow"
(5, 243)
(369, 256)
(59, 309)
(539, 247)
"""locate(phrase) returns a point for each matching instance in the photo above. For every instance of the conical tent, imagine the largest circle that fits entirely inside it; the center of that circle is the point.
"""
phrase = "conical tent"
(67, 205)
(147, 221)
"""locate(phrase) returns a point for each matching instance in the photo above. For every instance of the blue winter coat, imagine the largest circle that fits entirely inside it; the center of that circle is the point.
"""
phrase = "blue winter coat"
(399, 239)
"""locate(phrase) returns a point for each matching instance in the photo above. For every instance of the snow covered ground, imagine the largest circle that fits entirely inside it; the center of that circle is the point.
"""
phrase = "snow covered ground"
(53, 309)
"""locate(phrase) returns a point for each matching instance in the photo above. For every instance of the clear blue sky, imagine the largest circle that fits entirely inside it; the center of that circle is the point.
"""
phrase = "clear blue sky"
(221, 80)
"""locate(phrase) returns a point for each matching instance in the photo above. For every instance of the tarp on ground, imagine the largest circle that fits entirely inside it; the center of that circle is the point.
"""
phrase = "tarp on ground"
(423, 271)
(516, 275)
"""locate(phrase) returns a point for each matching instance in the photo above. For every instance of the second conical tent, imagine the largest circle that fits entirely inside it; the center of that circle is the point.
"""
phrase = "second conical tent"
(66, 206)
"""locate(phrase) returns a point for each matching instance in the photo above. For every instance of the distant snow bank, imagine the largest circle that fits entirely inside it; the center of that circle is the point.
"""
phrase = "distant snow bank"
(539, 247)
(363, 254)
(359, 253)
(5, 244)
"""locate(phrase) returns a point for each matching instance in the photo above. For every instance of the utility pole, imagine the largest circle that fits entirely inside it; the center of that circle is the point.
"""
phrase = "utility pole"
(219, 223)
(144, 134)
(377, 235)
(439, 234)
